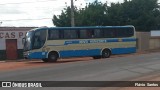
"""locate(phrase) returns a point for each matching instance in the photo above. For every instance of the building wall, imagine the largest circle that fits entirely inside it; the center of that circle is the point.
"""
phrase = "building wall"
(146, 41)
(143, 39)
(155, 39)
(12, 33)
(154, 42)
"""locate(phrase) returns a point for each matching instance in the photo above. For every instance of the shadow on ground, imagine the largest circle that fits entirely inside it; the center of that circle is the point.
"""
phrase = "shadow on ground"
(68, 60)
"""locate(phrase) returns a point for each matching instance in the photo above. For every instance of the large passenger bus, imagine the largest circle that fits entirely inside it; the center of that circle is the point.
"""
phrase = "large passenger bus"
(52, 43)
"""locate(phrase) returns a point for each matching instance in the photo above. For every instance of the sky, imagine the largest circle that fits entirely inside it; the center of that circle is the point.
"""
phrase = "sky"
(30, 13)
(35, 13)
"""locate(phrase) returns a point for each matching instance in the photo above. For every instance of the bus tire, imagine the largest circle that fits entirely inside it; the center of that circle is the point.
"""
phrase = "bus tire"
(53, 56)
(96, 57)
(45, 60)
(106, 53)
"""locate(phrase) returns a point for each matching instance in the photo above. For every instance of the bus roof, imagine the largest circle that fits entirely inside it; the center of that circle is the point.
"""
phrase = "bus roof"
(87, 27)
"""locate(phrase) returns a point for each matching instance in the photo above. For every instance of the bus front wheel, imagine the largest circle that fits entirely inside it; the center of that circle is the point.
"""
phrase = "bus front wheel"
(53, 57)
(106, 53)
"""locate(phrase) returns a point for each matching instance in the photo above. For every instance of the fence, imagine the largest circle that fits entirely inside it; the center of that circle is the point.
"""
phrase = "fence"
(146, 42)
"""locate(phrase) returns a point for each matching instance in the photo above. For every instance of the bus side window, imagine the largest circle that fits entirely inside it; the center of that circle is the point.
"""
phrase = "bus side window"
(61, 34)
(120, 32)
(109, 33)
(70, 34)
(73, 34)
(98, 33)
(130, 32)
(125, 32)
(53, 34)
(84, 34)
(91, 33)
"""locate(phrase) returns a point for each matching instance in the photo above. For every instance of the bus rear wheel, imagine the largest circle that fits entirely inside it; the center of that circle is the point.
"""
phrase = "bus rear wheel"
(52, 57)
(106, 53)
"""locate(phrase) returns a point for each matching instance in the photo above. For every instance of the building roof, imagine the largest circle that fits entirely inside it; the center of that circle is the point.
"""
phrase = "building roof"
(16, 28)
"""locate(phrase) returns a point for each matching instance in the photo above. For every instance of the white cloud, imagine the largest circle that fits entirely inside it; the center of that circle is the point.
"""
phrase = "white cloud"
(36, 10)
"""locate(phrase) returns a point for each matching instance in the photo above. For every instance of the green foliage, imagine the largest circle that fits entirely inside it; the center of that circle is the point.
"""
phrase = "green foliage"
(143, 14)
(91, 15)
(63, 20)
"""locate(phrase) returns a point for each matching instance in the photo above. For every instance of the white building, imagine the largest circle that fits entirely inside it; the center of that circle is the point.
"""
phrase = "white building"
(11, 42)
(155, 33)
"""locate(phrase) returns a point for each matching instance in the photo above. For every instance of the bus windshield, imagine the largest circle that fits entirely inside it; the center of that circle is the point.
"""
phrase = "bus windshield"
(34, 40)
(28, 39)
(39, 39)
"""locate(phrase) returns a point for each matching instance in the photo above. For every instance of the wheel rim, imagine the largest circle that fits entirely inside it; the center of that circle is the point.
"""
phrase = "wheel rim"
(52, 57)
(106, 54)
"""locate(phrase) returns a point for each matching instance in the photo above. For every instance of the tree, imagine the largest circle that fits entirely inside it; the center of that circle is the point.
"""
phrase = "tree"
(91, 15)
(63, 20)
(143, 14)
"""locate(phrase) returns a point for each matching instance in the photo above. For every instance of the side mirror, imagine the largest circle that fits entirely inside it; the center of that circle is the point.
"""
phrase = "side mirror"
(23, 41)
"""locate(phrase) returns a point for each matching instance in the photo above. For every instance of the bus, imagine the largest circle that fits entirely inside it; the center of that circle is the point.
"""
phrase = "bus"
(51, 43)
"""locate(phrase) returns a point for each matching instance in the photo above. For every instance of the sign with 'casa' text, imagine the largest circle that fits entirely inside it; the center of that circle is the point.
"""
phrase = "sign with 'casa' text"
(12, 34)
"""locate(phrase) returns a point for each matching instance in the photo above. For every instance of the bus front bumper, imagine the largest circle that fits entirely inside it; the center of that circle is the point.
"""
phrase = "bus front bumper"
(35, 55)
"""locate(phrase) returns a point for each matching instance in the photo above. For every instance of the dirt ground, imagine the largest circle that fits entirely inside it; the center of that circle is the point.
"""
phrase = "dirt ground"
(9, 65)
(152, 77)
(21, 64)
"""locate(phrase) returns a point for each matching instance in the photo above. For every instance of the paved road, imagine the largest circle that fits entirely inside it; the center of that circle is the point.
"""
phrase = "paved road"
(112, 69)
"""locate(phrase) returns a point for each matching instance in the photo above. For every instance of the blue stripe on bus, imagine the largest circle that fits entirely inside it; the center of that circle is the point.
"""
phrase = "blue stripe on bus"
(113, 40)
(72, 42)
(78, 53)
(82, 53)
(95, 52)
(129, 40)
(37, 55)
(123, 50)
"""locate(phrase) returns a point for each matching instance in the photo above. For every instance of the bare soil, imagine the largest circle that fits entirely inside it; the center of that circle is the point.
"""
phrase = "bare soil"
(21, 64)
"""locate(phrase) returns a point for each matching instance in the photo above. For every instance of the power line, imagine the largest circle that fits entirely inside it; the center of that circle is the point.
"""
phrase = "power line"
(28, 2)
(25, 19)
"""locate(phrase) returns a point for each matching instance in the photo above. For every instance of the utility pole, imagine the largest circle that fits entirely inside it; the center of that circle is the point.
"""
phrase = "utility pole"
(1, 23)
(72, 14)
